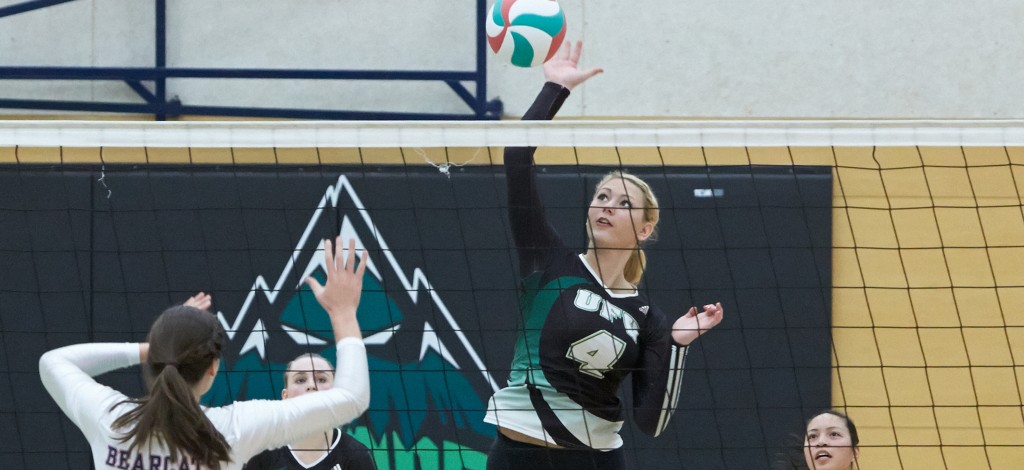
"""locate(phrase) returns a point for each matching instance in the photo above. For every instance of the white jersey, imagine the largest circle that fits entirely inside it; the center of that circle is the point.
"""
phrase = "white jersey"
(249, 427)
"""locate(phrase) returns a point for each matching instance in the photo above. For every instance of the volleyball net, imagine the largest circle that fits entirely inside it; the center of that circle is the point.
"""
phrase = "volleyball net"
(873, 267)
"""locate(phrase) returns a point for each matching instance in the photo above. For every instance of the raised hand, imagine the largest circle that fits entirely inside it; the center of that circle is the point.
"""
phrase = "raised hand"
(563, 68)
(202, 301)
(689, 327)
(339, 295)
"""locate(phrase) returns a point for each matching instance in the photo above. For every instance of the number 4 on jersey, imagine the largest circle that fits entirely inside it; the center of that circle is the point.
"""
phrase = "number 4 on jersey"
(597, 353)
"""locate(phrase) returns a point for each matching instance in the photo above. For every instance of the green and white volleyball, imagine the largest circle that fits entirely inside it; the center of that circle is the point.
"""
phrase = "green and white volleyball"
(525, 33)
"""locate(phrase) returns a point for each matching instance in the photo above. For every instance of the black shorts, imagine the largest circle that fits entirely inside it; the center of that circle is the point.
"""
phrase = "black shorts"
(507, 454)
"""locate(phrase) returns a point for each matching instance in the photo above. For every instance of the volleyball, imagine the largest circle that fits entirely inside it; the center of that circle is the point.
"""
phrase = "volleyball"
(525, 33)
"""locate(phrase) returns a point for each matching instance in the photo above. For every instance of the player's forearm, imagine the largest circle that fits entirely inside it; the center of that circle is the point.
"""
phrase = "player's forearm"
(544, 107)
(345, 324)
(352, 372)
(64, 370)
(548, 102)
(93, 358)
(656, 387)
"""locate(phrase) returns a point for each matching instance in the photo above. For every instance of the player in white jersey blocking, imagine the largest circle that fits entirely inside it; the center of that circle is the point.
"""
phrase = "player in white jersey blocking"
(168, 429)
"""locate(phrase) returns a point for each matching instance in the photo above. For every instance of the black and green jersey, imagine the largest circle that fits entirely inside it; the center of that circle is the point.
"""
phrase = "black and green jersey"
(579, 341)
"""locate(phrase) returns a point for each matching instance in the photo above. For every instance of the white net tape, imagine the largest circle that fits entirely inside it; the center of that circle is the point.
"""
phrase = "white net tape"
(306, 134)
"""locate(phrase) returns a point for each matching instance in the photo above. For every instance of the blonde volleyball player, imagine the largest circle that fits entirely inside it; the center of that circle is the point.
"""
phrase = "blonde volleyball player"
(587, 326)
(167, 428)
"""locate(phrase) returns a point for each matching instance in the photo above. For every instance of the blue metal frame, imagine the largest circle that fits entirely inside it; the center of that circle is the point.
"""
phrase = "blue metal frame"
(157, 104)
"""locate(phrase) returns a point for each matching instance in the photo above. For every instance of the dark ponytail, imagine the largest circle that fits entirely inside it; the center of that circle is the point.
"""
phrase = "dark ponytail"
(183, 343)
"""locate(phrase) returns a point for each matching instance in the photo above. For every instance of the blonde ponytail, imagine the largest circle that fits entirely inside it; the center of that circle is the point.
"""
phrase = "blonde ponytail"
(635, 267)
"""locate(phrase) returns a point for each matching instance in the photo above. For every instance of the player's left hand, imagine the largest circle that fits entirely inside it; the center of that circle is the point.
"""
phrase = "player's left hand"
(689, 327)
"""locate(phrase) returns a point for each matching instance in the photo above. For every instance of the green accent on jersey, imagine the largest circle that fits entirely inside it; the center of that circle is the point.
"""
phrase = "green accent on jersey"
(537, 303)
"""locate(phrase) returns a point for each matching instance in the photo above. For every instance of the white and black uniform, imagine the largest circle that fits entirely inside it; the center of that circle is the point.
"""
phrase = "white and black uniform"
(345, 453)
(249, 427)
(579, 340)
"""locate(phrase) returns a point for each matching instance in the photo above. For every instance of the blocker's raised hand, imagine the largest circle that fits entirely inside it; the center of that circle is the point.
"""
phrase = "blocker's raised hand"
(339, 295)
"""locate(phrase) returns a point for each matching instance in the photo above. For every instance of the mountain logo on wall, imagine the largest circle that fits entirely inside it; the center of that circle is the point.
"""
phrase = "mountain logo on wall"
(428, 383)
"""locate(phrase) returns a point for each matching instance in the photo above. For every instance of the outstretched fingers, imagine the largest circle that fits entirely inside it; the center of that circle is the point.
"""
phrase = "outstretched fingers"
(350, 266)
(330, 263)
(350, 260)
(591, 72)
(563, 68)
(314, 285)
(330, 266)
(575, 52)
(564, 51)
(339, 295)
(362, 265)
(344, 267)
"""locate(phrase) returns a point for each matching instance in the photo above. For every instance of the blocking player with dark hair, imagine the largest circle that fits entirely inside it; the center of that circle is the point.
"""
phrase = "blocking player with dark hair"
(167, 428)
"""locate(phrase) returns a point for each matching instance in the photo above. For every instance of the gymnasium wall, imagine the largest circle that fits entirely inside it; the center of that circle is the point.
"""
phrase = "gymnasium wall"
(927, 275)
(663, 58)
(94, 252)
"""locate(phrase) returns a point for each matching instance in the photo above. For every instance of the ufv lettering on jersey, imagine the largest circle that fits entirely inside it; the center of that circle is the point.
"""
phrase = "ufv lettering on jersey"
(124, 460)
(591, 302)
